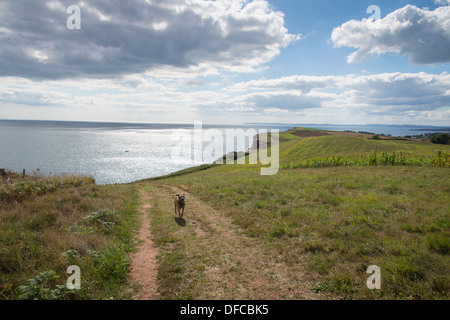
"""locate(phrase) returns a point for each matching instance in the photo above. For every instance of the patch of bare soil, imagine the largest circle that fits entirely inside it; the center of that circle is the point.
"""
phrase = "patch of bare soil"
(308, 134)
(144, 266)
(351, 134)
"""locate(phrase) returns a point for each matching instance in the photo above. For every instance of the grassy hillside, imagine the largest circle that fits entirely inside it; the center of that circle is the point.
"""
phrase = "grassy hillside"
(49, 224)
(315, 147)
(340, 203)
(340, 220)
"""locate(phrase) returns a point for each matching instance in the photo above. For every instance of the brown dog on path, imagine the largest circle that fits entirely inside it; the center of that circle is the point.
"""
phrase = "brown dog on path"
(179, 202)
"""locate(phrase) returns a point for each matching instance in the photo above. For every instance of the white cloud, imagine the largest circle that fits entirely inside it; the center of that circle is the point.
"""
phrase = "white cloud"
(421, 34)
(141, 36)
(399, 94)
(387, 98)
(283, 99)
(303, 83)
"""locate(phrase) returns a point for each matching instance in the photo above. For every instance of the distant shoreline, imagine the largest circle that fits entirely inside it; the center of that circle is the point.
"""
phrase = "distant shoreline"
(440, 129)
(401, 130)
(419, 126)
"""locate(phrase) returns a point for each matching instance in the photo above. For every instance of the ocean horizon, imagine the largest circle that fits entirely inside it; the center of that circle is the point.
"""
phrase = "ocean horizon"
(114, 152)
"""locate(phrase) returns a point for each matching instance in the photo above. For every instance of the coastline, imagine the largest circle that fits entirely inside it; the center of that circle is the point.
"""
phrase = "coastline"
(100, 150)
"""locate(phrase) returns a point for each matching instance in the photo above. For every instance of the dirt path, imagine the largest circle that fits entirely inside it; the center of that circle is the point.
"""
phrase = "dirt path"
(240, 267)
(144, 267)
(207, 255)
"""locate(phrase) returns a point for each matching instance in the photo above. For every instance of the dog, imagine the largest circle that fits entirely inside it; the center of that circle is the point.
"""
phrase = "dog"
(179, 202)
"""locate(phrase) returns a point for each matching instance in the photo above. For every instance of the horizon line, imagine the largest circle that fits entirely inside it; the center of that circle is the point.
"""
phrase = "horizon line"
(230, 124)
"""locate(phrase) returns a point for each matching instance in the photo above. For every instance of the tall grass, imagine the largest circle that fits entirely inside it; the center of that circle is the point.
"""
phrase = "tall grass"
(394, 159)
(342, 219)
(48, 224)
(326, 146)
(25, 189)
(374, 202)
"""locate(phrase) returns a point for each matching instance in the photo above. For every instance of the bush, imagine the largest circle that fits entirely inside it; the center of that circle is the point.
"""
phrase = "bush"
(440, 138)
(25, 189)
(103, 219)
(36, 288)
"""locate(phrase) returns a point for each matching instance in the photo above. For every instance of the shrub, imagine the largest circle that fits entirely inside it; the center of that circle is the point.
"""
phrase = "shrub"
(440, 138)
(103, 219)
(18, 192)
(36, 288)
(71, 255)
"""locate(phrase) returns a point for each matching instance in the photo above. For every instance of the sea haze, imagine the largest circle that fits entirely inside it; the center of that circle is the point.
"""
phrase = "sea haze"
(122, 152)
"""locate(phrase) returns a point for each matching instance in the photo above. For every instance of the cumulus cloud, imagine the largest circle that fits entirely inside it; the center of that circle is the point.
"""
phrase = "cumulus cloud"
(136, 36)
(442, 2)
(421, 34)
(384, 97)
(284, 100)
(304, 83)
(386, 93)
(412, 90)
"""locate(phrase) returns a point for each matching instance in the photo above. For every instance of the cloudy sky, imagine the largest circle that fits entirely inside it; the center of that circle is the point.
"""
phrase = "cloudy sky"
(226, 61)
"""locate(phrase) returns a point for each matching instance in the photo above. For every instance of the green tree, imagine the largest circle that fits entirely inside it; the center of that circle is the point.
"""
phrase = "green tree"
(441, 138)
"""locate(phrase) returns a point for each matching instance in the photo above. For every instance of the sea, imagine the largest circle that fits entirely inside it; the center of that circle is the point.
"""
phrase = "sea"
(125, 152)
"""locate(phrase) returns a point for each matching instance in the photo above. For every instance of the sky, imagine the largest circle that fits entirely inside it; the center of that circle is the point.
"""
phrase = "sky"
(226, 61)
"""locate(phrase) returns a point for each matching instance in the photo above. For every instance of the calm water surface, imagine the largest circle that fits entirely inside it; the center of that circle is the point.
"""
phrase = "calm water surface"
(118, 152)
(111, 153)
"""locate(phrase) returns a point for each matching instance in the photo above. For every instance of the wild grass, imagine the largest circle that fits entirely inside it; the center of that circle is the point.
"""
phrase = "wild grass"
(344, 219)
(344, 203)
(180, 266)
(374, 159)
(347, 146)
(204, 256)
(72, 222)
(26, 188)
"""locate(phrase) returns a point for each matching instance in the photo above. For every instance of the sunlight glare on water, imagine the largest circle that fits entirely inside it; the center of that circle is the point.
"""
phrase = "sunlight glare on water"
(110, 155)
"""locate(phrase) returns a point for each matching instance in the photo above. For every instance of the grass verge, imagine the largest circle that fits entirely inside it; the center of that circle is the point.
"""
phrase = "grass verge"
(85, 225)
(342, 220)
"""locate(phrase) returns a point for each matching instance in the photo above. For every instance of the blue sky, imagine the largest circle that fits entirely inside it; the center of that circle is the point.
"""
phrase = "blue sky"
(315, 55)
(226, 61)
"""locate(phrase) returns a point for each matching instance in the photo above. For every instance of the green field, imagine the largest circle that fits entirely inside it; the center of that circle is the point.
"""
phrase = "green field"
(342, 219)
(308, 232)
(49, 224)
(334, 145)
